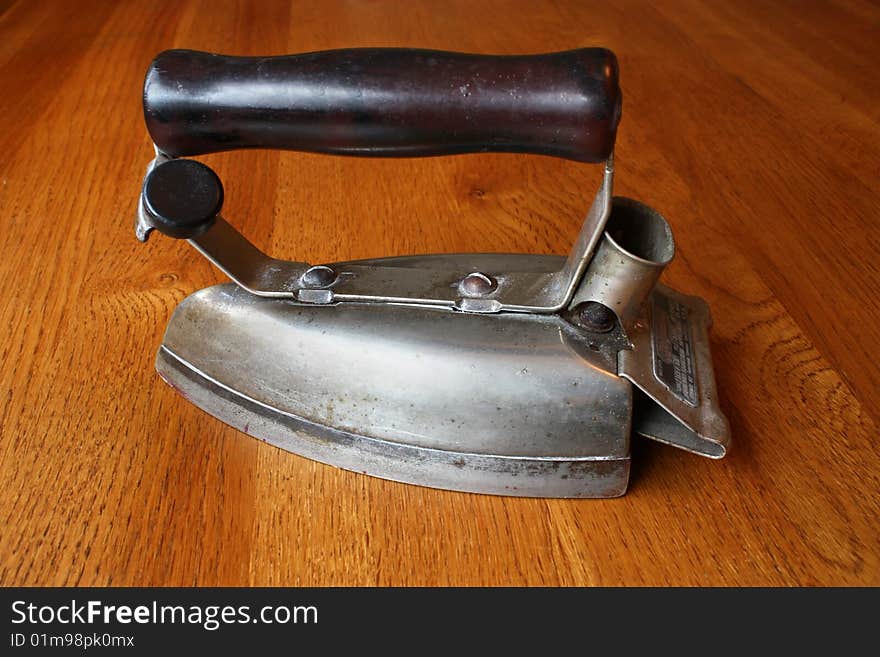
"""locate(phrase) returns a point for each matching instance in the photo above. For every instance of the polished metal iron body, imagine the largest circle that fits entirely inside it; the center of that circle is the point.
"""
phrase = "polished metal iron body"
(494, 373)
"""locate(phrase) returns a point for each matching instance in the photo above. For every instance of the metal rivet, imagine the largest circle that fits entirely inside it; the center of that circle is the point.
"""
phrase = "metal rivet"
(595, 317)
(477, 284)
(317, 277)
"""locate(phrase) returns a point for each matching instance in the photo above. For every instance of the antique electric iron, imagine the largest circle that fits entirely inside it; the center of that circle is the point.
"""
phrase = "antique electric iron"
(493, 373)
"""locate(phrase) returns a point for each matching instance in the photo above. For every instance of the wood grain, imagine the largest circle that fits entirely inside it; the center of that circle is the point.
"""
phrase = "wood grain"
(752, 126)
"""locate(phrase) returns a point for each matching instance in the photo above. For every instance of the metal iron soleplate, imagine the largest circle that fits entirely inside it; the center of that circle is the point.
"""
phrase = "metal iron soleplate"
(501, 405)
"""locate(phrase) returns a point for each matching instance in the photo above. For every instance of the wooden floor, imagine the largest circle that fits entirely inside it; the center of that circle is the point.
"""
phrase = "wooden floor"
(753, 126)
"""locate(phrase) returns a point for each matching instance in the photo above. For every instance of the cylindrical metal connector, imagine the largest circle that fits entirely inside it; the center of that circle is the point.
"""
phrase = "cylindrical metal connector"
(636, 247)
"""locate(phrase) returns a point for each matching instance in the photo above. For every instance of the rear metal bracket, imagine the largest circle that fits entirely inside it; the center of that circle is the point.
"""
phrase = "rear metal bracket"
(670, 362)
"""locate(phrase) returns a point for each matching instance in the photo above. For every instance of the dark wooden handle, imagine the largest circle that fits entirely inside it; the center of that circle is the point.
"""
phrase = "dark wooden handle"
(386, 102)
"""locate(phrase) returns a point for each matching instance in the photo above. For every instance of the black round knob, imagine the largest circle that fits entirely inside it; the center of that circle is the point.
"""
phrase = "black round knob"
(183, 198)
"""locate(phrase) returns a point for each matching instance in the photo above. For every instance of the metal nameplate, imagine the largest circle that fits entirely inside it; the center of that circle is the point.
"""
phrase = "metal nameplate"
(673, 348)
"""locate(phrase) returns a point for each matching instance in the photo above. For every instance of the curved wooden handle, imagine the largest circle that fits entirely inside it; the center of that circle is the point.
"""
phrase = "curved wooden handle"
(386, 102)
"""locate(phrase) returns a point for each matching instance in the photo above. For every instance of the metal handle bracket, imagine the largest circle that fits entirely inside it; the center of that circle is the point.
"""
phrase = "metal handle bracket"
(500, 291)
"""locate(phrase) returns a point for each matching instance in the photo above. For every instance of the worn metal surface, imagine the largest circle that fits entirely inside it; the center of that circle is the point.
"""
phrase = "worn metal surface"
(493, 404)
